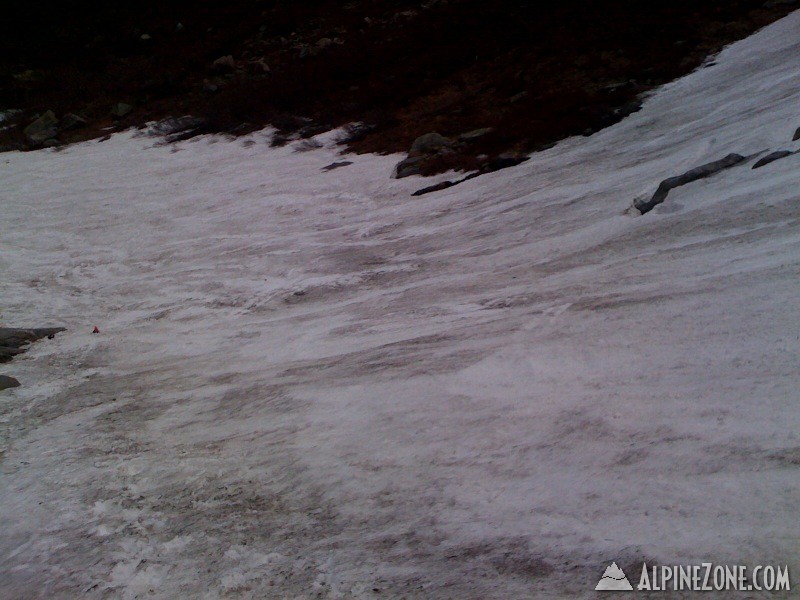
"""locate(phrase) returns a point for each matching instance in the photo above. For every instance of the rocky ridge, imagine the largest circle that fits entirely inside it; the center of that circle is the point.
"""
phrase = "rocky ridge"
(495, 80)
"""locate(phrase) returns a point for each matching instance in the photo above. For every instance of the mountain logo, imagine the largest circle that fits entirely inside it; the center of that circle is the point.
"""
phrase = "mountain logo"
(614, 580)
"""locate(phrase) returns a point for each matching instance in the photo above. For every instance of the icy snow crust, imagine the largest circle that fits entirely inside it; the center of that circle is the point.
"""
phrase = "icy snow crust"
(309, 384)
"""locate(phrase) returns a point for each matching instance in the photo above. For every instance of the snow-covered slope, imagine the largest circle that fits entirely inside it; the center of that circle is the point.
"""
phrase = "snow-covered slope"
(310, 384)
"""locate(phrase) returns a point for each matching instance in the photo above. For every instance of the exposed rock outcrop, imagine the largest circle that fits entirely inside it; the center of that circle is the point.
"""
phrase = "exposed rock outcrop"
(7, 382)
(771, 157)
(15, 341)
(701, 172)
(424, 148)
(42, 129)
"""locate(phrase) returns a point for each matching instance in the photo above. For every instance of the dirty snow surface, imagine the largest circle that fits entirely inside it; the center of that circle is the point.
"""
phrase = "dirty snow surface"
(308, 384)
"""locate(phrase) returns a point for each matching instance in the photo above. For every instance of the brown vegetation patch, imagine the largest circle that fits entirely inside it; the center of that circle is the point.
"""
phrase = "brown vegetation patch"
(533, 74)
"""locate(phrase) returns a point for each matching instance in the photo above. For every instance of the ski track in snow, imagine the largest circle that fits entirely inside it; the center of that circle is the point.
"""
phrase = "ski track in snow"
(311, 385)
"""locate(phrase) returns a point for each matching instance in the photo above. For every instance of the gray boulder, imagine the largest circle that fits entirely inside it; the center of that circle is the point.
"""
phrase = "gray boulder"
(424, 147)
(120, 109)
(470, 136)
(8, 382)
(42, 129)
(176, 129)
(430, 143)
(409, 166)
(224, 64)
(71, 121)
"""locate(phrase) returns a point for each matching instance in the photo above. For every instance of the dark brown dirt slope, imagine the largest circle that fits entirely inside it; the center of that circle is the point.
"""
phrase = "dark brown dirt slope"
(403, 68)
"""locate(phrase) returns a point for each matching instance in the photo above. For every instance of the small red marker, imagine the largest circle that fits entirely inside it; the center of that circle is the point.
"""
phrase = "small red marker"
(95, 330)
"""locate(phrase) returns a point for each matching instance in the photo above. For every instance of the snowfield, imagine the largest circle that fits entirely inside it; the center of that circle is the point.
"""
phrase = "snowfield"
(308, 384)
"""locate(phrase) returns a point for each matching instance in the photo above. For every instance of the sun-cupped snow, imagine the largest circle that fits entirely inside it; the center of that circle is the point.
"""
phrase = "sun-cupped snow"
(309, 384)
